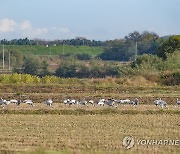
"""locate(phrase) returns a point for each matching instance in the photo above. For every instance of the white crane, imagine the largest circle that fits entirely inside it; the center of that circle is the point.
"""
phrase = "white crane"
(101, 102)
(4, 102)
(29, 102)
(48, 102)
(66, 101)
(110, 102)
(17, 102)
(134, 102)
(71, 102)
(91, 102)
(178, 101)
(123, 101)
(160, 102)
(83, 102)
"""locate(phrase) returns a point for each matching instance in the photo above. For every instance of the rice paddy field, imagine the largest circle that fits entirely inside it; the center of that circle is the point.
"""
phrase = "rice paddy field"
(88, 129)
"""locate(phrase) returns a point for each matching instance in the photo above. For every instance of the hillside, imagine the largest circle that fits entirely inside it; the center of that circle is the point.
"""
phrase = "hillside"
(54, 50)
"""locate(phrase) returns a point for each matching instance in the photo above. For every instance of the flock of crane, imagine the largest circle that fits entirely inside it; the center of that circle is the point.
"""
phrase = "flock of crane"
(5, 103)
(101, 102)
(114, 102)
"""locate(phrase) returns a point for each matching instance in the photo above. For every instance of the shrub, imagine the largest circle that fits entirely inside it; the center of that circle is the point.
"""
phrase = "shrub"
(4, 78)
(67, 69)
(173, 61)
(31, 65)
(171, 78)
(148, 62)
(50, 79)
(169, 46)
(83, 56)
(93, 69)
(28, 79)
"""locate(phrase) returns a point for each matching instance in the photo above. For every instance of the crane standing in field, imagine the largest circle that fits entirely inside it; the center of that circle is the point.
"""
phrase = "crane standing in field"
(110, 102)
(101, 102)
(135, 101)
(29, 102)
(83, 102)
(15, 101)
(123, 101)
(48, 102)
(178, 101)
(91, 102)
(160, 102)
(4, 102)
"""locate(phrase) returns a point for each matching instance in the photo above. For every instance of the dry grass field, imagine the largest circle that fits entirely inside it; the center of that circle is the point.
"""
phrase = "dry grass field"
(87, 132)
(82, 129)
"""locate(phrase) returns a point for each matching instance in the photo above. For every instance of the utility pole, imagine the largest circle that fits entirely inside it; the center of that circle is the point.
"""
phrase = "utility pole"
(50, 50)
(136, 50)
(9, 61)
(3, 56)
(63, 48)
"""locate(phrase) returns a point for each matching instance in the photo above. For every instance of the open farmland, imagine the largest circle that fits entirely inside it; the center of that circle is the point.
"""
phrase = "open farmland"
(87, 129)
(87, 89)
(88, 133)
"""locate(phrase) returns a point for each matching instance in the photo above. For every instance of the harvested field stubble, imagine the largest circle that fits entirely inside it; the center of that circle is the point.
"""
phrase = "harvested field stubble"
(87, 133)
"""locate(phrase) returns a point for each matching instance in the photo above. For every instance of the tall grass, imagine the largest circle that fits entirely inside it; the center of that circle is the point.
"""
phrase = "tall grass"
(27, 79)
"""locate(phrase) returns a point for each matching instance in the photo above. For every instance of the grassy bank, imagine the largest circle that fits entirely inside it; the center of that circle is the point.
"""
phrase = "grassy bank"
(55, 50)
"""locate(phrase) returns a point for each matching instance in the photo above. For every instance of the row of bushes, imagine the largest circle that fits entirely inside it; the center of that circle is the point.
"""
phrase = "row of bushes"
(154, 63)
(151, 67)
(92, 69)
(83, 56)
(26, 79)
(165, 78)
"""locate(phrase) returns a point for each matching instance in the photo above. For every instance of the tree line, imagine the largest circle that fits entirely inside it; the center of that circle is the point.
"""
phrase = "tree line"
(76, 42)
(155, 54)
(116, 50)
(125, 49)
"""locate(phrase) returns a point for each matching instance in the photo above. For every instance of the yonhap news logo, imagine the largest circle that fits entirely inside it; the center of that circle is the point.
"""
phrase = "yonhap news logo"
(129, 142)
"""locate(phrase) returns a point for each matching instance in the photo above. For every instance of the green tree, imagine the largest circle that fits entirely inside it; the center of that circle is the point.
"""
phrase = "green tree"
(134, 36)
(118, 52)
(31, 65)
(44, 68)
(169, 46)
(67, 69)
(124, 50)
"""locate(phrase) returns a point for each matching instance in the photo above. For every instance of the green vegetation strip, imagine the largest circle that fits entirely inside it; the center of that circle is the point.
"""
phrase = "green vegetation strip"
(87, 112)
(55, 50)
